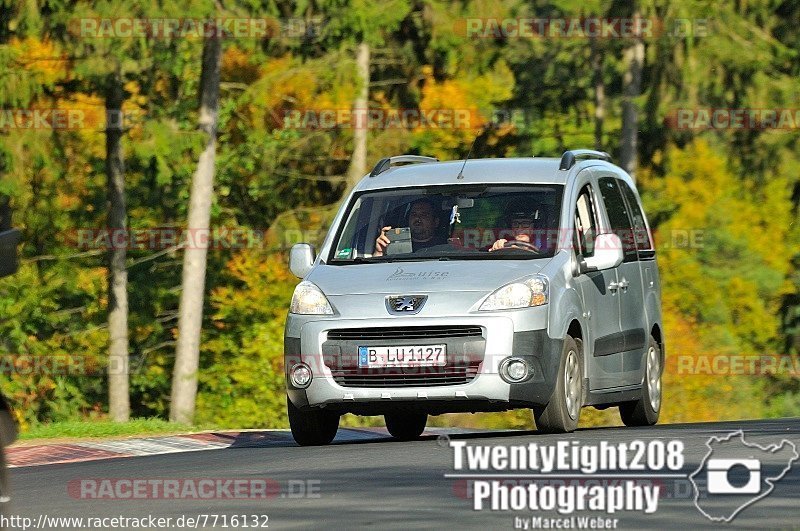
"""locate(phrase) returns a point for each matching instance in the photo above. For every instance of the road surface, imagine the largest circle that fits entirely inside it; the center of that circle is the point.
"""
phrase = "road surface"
(379, 482)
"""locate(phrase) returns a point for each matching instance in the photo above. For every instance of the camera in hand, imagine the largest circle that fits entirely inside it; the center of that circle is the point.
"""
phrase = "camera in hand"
(399, 241)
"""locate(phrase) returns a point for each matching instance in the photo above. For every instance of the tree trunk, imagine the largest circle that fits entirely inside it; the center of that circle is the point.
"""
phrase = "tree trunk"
(5, 211)
(632, 86)
(599, 93)
(118, 395)
(187, 355)
(358, 162)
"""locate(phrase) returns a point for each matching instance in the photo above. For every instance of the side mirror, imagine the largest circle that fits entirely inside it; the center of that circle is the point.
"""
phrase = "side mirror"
(301, 259)
(607, 254)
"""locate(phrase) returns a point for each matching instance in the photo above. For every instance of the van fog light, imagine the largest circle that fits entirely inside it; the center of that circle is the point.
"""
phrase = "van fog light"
(514, 370)
(301, 375)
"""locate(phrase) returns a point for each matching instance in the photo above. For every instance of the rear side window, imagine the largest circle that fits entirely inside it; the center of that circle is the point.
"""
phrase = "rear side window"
(640, 234)
(618, 216)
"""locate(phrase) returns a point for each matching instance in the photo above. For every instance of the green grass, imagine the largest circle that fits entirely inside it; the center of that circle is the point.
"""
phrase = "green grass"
(106, 428)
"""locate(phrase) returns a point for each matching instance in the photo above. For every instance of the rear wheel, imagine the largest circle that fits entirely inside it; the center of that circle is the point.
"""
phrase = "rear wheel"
(312, 428)
(406, 426)
(645, 411)
(564, 409)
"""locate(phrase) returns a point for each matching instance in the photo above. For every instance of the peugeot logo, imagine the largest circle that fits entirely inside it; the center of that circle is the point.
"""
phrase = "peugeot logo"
(405, 304)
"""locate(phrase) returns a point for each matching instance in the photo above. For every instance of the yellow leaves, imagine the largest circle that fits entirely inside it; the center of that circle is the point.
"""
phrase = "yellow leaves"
(161, 86)
(470, 100)
(92, 280)
(282, 81)
(495, 86)
(135, 100)
(688, 396)
(22, 422)
(751, 317)
(449, 95)
(721, 292)
(42, 58)
(248, 265)
(266, 284)
(286, 83)
(236, 66)
(731, 276)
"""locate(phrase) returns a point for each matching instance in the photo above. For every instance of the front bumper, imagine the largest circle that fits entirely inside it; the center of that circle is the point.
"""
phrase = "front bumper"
(482, 389)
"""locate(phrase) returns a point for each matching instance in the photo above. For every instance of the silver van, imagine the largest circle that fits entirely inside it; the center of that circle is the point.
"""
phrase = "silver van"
(484, 285)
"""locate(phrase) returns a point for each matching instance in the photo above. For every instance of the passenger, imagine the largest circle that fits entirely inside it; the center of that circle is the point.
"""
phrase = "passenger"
(423, 221)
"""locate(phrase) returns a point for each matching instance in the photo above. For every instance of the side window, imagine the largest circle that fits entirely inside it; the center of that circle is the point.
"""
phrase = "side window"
(348, 242)
(585, 223)
(618, 216)
(640, 234)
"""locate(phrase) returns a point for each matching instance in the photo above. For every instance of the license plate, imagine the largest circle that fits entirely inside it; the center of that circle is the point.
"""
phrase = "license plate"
(406, 356)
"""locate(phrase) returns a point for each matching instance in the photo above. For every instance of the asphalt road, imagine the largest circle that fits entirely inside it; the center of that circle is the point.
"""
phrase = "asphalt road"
(388, 484)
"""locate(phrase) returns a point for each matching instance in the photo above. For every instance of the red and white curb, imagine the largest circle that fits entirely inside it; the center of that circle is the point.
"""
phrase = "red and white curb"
(81, 451)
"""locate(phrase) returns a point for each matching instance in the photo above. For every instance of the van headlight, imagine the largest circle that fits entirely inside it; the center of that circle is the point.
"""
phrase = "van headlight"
(308, 299)
(522, 294)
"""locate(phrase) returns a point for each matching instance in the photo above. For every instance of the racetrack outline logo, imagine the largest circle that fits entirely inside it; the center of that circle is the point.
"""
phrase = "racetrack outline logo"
(769, 479)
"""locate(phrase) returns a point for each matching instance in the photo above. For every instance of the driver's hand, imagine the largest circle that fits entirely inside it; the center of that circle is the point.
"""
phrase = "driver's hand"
(499, 244)
(382, 242)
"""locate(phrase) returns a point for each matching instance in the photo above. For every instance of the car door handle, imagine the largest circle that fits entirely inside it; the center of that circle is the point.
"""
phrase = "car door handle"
(614, 286)
(623, 284)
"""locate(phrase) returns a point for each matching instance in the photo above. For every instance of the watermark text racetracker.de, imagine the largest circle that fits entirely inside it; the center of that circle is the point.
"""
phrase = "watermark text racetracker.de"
(184, 521)
(757, 365)
(204, 488)
(580, 27)
(569, 502)
(196, 28)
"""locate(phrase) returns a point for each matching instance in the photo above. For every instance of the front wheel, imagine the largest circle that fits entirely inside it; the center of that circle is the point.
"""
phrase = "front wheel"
(312, 428)
(564, 408)
(645, 411)
(406, 426)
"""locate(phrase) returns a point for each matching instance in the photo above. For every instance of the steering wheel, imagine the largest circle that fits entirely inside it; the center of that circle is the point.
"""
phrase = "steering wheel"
(518, 244)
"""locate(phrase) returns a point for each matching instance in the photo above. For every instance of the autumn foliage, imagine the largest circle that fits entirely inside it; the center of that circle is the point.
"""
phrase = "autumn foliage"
(723, 204)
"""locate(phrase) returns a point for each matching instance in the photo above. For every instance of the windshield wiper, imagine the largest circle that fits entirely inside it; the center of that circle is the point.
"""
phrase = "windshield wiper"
(415, 258)
(362, 260)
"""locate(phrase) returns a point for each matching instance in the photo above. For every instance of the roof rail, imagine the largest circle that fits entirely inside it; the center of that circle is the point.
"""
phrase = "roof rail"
(388, 162)
(571, 156)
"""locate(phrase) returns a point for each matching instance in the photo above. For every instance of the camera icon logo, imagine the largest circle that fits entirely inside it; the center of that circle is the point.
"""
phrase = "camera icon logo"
(725, 475)
(736, 473)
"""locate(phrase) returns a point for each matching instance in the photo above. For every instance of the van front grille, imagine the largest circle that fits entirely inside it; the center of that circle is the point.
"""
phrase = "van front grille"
(406, 332)
(408, 377)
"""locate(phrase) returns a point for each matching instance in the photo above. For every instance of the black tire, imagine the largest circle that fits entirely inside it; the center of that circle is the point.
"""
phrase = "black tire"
(562, 413)
(645, 411)
(406, 426)
(312, 428)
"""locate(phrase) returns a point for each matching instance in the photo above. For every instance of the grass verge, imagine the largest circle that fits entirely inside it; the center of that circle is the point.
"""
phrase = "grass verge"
(87, 429)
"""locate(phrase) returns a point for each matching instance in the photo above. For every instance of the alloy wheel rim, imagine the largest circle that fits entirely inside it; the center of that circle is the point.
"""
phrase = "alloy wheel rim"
(572, 384)
(654, 378)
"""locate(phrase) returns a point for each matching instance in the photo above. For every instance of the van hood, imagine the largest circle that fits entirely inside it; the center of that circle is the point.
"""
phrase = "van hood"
(421, 277)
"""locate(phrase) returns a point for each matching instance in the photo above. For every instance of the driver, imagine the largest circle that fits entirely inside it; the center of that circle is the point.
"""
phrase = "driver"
(521, 224)
(423, 221)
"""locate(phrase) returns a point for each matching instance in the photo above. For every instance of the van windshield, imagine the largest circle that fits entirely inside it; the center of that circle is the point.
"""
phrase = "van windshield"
(470, 222)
